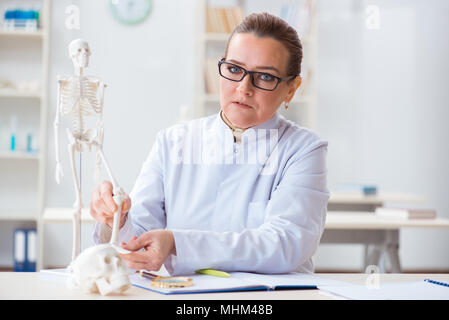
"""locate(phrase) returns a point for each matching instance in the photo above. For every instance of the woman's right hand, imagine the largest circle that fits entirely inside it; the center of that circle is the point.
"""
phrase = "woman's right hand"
(103, 206)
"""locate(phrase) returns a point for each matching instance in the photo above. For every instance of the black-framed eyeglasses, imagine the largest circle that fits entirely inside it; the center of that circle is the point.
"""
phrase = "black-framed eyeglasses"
(261, 80)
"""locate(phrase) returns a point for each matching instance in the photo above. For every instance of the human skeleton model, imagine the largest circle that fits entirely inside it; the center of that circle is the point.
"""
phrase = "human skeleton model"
(98, 268)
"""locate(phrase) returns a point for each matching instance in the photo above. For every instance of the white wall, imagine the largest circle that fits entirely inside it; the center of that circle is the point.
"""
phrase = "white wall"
(382, 104)
(383, 107)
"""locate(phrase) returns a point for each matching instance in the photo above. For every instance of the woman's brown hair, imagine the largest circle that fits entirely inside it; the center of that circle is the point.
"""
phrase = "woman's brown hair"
(267, 25)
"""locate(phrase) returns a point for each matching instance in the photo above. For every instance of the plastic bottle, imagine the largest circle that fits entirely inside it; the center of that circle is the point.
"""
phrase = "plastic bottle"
(13, 133)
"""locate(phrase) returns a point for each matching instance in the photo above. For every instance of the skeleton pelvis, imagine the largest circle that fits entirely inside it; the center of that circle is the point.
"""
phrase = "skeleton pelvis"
(85, 141)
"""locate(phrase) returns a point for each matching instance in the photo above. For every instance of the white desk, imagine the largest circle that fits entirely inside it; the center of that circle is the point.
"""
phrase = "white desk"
(64, 215)
(19, 285)
(380, 235)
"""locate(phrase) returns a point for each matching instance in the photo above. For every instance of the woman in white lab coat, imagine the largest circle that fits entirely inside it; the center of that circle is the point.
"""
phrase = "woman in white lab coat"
(242, 190)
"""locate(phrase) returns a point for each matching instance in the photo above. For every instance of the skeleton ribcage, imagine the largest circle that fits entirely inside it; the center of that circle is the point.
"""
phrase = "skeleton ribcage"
(79, 100)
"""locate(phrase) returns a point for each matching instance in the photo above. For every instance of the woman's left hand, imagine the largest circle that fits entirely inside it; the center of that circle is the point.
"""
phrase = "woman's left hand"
(157, 245)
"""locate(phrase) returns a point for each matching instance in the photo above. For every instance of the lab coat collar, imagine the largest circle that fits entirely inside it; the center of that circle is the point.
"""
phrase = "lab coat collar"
(250, 134)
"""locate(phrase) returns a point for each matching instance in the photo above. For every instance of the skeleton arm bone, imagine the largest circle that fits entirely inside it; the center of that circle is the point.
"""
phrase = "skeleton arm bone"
(119, 197)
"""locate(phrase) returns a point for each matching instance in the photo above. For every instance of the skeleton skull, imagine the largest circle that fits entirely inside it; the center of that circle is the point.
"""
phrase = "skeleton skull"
(79, 53)
(100, 269)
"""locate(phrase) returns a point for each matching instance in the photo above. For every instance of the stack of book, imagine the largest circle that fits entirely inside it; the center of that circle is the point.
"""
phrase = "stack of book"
(211, 75)
(299, 16)
(406, 213)
(223, 20)
(25, 241)
(21, 19)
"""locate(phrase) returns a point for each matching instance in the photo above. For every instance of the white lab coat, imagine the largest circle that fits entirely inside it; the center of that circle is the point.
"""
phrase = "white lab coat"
(256, 206)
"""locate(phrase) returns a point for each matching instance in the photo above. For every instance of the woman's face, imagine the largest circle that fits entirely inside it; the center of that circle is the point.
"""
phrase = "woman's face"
(243, 104)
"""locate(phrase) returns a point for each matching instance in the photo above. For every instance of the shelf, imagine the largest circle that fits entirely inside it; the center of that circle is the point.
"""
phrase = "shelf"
(19, 155)
(18, 216)
(358, 198)
(65, 215)
(216, 36)
(26, 99)
(19, 94)
(40, 34)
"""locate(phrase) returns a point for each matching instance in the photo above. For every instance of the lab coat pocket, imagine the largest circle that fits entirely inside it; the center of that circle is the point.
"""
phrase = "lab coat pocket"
(256, 213)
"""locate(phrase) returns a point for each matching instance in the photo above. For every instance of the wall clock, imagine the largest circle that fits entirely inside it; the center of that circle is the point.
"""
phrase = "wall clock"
(130, 11)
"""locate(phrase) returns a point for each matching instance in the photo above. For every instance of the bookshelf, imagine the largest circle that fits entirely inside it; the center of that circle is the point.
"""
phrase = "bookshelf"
(39, 34)
(24, 68)
(214, 27)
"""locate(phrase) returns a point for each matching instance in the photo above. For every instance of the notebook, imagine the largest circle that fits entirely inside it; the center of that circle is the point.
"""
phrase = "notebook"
(241, 281)
(406, 213)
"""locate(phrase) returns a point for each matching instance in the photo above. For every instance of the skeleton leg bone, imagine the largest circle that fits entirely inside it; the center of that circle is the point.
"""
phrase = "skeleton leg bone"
(77, 205)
